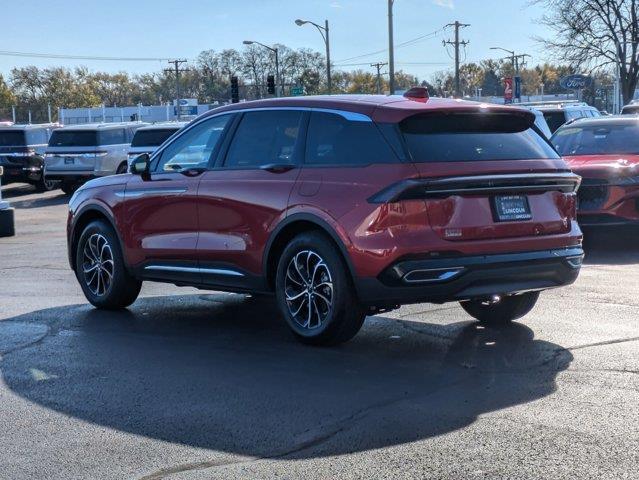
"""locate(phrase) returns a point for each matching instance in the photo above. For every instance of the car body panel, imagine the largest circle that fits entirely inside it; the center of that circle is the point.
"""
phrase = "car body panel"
(610, 191)
(25, 162)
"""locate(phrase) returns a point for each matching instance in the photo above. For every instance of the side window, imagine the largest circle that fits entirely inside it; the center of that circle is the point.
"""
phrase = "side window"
(263, 138)
(194, 148)
(112, 137)
(334, 140)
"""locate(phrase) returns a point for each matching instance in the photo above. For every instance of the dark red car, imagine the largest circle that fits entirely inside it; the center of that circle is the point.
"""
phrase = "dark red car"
(341, 206)
(605, 152)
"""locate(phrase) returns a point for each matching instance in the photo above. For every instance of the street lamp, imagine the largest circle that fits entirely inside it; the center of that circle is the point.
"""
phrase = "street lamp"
(324, 33)
(512, 56)
(277, 63)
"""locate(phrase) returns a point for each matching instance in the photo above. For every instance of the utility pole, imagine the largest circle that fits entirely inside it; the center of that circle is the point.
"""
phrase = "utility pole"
(177, 70)
(379, 66)
(391, 50)
(457, 43)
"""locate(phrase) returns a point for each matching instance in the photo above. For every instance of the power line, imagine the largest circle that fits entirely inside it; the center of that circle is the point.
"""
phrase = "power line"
(399, 45)
(396, 63)
(80, 57)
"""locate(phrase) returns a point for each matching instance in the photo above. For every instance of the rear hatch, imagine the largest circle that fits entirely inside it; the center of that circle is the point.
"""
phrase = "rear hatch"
(72, 150)
(488, 175)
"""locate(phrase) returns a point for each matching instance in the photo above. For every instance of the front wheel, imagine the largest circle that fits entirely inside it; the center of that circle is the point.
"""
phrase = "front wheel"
(100, 268)
(315, 292)
(503, 311)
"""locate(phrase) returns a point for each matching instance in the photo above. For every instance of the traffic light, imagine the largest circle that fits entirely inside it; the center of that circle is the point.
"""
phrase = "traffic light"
(235, 90)
(270, 84)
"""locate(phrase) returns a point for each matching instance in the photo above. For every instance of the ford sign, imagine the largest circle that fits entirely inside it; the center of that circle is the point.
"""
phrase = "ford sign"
(575, 82)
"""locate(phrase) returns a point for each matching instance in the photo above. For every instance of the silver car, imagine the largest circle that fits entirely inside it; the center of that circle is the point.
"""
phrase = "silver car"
(147, 139)
(81, 152)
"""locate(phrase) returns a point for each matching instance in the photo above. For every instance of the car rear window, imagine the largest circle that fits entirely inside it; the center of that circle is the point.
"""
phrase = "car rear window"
(472, 137)
(151, 138)
(555, 119)
(12, 138)
(597, 139)
(74, 138)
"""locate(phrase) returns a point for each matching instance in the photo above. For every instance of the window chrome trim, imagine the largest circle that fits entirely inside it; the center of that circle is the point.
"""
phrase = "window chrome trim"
(350, 116)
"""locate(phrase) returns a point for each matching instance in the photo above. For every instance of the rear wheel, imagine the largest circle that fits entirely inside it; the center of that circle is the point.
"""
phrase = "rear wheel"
(69, 188)
(315, 292)
(123, 168)
(44, 185)
(501, 312)
(100, 268)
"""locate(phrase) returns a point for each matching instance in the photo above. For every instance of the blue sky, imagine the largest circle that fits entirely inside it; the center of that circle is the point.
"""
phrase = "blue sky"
(172, 28)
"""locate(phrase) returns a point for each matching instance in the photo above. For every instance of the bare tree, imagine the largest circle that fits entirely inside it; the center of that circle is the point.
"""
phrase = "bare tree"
(596, 34)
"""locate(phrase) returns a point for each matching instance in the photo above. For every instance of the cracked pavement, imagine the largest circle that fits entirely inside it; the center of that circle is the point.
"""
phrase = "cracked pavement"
(202, 385)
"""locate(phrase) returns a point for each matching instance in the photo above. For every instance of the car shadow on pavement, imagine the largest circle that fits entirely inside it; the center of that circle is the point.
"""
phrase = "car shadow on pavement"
(15, 194)
(611, 245)
(222, 372)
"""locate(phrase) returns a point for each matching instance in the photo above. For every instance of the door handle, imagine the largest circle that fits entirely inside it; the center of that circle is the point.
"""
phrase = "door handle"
(193, 172)
(278, 167)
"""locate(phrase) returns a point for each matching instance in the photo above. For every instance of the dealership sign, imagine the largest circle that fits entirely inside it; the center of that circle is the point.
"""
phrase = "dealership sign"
(188, 107)
(508, 90)
(575, 82)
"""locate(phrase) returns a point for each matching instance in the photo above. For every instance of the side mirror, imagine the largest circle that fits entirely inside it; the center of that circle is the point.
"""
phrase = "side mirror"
(140, 164)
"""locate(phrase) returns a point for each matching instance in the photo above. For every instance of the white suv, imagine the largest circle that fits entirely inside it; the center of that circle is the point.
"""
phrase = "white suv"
(78, 153)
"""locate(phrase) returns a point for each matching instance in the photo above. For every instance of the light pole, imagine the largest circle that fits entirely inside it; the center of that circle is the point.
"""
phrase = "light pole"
(391, 50)
(278, 85)
(513, 57)
(515, 62)
(325, 35)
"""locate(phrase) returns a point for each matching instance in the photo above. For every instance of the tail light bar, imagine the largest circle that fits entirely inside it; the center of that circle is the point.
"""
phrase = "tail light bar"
(422, 188)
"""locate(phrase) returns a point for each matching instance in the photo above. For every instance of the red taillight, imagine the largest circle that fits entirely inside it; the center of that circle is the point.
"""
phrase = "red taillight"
(567, 204)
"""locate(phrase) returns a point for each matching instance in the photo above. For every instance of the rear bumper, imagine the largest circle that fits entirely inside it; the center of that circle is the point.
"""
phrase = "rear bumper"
(27, 170)
(462, 278)
(69, 175)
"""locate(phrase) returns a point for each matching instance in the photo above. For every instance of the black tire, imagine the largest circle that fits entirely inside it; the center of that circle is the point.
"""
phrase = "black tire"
(43, 185)
(503, 312)
(326, 323)
(123, 168)
(68, 188)
(122, 289)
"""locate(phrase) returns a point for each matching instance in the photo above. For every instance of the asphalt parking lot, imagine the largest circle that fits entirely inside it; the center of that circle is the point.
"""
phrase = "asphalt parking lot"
(196, 385)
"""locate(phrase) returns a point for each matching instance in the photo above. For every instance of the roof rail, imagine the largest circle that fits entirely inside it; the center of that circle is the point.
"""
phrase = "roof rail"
(554, 103)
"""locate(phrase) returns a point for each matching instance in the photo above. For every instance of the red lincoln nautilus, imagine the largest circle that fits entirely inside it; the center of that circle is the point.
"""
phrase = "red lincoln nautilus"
(340, 206)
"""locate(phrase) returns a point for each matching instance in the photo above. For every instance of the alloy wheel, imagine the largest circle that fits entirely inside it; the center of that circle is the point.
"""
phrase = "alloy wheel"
(97, 264)
(309, 289)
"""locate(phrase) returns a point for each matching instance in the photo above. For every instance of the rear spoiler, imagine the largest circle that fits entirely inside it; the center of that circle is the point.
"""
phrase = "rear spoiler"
(423, 188)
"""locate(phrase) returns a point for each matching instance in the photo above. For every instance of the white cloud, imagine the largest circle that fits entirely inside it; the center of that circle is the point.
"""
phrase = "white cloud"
(445, 3)
(335, 5)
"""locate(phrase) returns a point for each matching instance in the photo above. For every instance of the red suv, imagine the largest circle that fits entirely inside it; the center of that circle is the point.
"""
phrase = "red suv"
(605, 153)
(341, 206)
